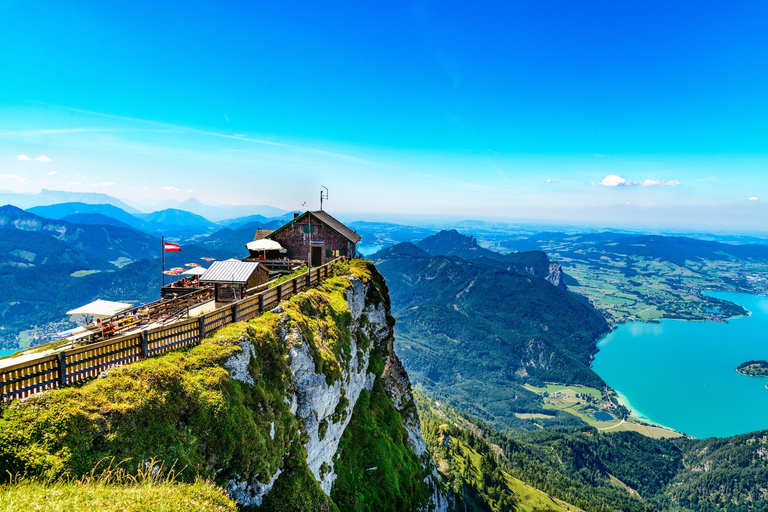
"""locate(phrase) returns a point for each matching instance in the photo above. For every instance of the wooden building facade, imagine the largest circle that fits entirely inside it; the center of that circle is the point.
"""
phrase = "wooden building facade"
(316, 237)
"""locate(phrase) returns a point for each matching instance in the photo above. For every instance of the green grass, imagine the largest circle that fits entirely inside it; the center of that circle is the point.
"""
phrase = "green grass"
(377, 470)
(183, 410)
(114, 490)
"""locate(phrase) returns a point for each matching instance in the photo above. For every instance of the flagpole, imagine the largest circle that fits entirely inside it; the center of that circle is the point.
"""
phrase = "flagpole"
(162, 274)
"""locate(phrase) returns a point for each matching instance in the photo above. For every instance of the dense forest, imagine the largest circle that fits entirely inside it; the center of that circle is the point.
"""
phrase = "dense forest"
(597, 471)
(473, 332)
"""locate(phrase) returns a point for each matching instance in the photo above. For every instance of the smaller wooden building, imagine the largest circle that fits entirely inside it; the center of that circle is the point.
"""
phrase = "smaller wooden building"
(233, 278)
(316, 237)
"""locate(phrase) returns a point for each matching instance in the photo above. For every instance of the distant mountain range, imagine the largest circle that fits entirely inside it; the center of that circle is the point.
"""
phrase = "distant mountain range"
(48, 197)
(178, 225)
(214, 212)
(234, 240)
(48, 266)
(675, 249)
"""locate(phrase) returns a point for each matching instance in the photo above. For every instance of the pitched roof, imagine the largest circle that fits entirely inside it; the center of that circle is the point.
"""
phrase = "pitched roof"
(262, 233)
(229, 271)
(326, 219)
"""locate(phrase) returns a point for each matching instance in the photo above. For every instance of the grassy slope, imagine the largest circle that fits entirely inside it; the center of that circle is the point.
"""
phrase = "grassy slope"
(183, 410)
(77, 496)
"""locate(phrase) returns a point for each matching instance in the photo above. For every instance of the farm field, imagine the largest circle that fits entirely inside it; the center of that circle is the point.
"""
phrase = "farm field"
(652, 280)
(564, 398)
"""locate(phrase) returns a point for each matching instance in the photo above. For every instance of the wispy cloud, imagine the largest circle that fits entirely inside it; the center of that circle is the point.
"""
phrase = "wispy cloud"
(12, 177)
(52, 173)
(106, 184)
(171, 189)
(53, 131)
(753, 198)
(26, 158)
(187, 129)
(612, 180)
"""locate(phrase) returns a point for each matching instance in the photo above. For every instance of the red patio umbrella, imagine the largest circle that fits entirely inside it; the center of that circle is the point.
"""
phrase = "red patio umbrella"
(191, 265)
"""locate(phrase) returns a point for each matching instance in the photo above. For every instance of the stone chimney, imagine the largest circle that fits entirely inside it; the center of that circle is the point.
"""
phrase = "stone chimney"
(295, 215)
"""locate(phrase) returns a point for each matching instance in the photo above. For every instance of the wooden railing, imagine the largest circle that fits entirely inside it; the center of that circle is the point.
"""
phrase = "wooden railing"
(70, 366)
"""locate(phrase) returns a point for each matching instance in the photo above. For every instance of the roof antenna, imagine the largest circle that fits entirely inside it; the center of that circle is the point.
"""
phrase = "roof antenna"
(323, 196)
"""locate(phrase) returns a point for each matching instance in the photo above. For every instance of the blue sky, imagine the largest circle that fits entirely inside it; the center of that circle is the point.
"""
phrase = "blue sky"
(516, 110)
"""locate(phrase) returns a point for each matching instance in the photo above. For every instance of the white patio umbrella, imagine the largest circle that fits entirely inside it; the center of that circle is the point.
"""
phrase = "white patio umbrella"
(263, 245)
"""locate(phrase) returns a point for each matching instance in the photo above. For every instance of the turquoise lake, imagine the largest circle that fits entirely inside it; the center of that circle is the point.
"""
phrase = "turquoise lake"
(683, 374)
(6, 352)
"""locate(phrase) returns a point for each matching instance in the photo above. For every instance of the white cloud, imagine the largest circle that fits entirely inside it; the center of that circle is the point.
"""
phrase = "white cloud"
(190, 191)
(612, 181)
(650, 183)
(106, 184)
(80, 175)
(172, 189)
(73, 183)
(52, 173)
(12, 177)
(23, 157)
(43, 158)
(617, 181)
(753, 199)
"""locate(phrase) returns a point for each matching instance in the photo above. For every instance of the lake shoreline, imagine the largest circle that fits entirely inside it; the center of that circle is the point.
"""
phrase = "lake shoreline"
(681, 373)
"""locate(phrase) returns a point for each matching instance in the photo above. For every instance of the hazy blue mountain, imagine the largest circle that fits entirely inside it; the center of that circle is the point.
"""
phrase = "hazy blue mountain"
(233, 240)
(259, 219)
(23, 249)
(62, 210)
(675, 249)
(178, 218)
(241, 221)
(95, 218)
(48, 197)
(104, 242)
(213, 211)
(387, 234)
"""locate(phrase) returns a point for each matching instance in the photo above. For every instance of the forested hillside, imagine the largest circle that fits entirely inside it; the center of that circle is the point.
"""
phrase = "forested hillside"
(595, 471)
(473, 332)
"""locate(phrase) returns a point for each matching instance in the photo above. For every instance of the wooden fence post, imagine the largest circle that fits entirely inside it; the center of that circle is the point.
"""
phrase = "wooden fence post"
(201, 325)
(261, 302)
(295, 285)
(309, 278)
(62, 368)
(144, 345)
(234, 312)
(279, 293)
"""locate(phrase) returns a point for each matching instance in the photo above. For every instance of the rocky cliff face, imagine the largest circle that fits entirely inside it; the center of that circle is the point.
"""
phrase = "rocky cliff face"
(303, 408)
(556, 276)
(327, 407)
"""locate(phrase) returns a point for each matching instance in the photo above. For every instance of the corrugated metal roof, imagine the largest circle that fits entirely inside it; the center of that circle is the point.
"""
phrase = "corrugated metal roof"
(326, 219)
(229, 271)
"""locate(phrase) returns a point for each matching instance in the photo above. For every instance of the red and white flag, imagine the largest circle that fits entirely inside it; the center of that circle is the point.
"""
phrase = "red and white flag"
(169, 247)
